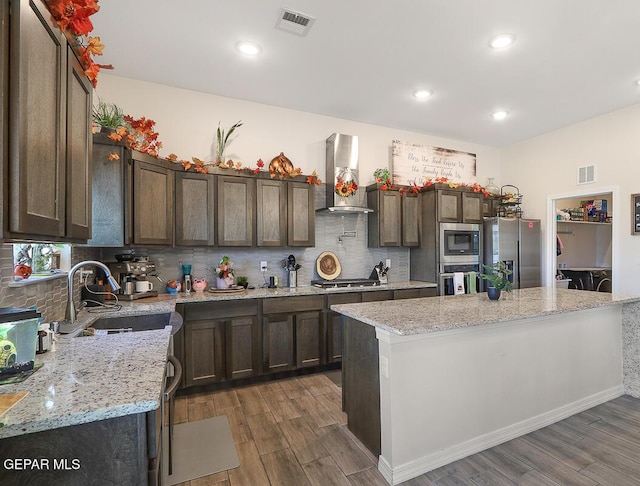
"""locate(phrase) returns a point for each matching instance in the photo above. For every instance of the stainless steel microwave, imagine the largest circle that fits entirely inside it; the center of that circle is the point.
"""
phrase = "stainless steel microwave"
(460, 242)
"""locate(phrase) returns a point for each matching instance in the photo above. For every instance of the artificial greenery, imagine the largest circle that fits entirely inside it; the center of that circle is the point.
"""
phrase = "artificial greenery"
(108, 115)
(224, 138)
(498, 276)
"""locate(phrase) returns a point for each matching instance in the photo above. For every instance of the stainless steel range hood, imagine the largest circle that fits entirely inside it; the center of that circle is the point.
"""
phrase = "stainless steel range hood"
(342, 164)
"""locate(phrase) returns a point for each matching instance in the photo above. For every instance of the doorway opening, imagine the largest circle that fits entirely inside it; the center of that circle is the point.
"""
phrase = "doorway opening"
(581, 243)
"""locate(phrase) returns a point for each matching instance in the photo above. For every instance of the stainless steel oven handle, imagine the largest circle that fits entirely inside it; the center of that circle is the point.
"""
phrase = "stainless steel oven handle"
(177, 376)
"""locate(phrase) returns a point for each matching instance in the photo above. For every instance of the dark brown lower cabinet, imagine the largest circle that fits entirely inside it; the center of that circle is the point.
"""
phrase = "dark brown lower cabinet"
(277, 351)
(334, 324)
(120, 450)
(309, 330)
(242, 347)
(204, 358)
(414, 293)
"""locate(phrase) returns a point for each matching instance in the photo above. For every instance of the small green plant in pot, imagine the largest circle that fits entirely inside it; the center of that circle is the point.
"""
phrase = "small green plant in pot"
(108, 115)
(242, 281)
(497, 277)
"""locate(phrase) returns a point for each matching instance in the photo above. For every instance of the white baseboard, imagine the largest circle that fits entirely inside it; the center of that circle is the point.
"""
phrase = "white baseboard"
(409, 470)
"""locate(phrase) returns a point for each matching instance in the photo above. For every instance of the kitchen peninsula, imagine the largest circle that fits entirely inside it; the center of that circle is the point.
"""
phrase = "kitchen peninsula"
(429, 381)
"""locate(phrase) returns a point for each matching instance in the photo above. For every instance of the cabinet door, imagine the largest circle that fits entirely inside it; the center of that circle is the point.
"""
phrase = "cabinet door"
(242, 338)
(410, 220)
(37, 105)
(277, 339)
(195, 209)
(301, 214)
(108, 193)
(472, 207)
(271, 217)
(79, 145)
(152, 204)
(309, 339)
(449, 206)
(414, 293)
(236, 210)
(384, 224)
(204, 360)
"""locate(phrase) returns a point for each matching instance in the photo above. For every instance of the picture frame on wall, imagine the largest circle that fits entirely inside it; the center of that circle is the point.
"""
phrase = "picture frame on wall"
(635, 214)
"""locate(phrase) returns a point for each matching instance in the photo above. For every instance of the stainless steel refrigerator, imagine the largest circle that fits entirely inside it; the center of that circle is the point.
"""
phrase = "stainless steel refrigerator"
(517, 242)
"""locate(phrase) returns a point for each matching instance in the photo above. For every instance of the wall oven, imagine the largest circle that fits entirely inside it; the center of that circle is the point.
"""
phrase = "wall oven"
(460, 243)
(471, 280)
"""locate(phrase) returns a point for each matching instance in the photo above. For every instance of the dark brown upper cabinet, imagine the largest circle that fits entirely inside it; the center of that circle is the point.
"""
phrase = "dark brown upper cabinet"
(285, 213)
(395, 219)
(460, 207)
(236, 211)
(301, 214)
(195, 209)
(271, 212)
(49, 110)
(152, 197)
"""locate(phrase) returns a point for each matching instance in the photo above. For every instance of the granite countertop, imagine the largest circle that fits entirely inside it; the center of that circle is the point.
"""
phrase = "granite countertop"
(166, 302)
(433, 314)
(88, 379)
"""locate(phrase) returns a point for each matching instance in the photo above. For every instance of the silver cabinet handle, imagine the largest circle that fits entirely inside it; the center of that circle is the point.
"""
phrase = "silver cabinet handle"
(177, 376)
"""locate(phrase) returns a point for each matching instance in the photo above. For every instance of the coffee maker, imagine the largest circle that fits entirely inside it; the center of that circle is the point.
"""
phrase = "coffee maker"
(132, 277)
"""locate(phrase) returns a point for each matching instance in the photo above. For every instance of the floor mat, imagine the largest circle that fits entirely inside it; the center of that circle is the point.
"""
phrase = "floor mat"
(200, 448)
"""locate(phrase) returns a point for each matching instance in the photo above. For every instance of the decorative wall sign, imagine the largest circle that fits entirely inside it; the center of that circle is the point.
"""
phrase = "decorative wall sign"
(635, 214)
(413, 164)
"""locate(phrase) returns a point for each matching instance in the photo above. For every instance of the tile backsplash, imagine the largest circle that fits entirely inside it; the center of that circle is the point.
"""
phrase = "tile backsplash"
(356, 259)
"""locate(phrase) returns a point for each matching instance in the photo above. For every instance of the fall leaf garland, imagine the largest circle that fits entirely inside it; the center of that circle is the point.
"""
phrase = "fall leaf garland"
(73, 16)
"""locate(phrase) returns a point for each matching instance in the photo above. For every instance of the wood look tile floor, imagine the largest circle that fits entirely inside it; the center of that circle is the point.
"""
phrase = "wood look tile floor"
(292, 432)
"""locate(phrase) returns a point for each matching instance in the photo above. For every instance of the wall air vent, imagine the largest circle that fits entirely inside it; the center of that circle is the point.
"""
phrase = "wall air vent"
(586, 174)
(294, 22)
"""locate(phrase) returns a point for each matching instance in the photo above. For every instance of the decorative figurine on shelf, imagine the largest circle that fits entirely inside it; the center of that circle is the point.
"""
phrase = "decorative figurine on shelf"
(173, 286)
(199, 284)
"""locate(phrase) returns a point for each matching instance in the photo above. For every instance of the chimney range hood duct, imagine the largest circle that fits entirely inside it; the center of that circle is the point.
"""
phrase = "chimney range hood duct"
(342, 164)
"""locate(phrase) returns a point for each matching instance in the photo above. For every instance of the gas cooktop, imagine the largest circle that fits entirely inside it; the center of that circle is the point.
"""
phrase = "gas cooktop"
(345, 282)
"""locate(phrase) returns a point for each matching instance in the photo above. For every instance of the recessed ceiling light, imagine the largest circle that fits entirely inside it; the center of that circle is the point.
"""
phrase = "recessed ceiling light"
(637, 82)
(248, 48)
(501, 41)
(500, 115)
(422, 94)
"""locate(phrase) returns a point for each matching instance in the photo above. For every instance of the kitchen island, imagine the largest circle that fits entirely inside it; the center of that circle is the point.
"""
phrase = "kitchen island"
(429, 381)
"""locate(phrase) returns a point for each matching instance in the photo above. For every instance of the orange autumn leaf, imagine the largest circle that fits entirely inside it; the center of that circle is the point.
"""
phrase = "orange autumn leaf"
(172, 157)
(113, 156)
(186, 164)
(122, 131)
(95, 47)
(115, 136)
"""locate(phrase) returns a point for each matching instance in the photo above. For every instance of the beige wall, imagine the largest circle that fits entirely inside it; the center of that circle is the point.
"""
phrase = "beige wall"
(187, 121)
(546, 167)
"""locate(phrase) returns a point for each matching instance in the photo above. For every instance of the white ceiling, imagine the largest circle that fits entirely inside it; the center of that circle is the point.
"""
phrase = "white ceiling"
(362, 59)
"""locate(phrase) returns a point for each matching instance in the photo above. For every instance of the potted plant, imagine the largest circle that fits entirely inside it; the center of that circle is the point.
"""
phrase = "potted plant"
(243, 281)
(108, 115)
(498, 277)
(224, 273)
(222, 140)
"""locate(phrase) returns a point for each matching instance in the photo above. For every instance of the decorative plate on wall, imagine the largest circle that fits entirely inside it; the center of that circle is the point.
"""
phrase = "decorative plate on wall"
(328, 265)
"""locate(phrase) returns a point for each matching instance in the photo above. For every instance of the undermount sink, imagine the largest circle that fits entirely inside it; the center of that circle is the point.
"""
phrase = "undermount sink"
(136, 323)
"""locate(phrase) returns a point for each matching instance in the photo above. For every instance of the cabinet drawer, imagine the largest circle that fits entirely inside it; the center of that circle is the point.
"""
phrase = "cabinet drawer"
(351, 298)
(377, 295)
(414, 293)
(220, 310)
(292, 304)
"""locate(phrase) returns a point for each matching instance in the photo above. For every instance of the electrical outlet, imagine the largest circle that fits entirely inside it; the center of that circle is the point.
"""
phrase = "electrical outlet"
(85, 273)
(388, 263)
(263, 266)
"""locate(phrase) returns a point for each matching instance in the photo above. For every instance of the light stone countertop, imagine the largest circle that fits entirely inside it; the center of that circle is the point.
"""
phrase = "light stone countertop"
(100, 377)
(91, 378)
(433, 314)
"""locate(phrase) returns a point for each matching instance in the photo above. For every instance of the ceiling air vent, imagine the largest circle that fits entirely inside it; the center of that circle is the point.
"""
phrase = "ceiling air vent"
(294, 22)
(586, 174)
